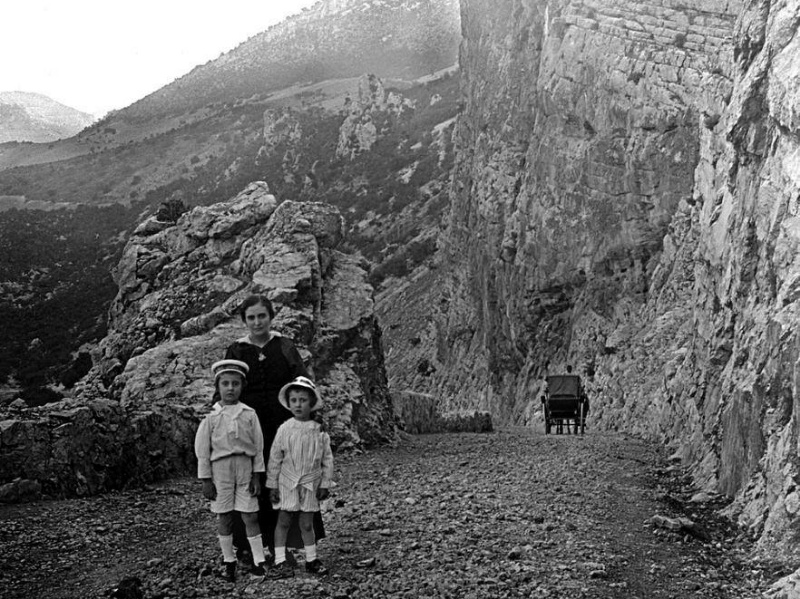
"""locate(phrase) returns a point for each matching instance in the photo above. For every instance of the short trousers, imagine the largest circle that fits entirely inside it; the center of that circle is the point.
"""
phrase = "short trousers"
(231, 476)
(297, 499)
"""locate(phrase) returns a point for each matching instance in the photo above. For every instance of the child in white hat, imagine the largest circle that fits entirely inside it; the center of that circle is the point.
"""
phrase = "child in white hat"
(230, 453)
(299, 474)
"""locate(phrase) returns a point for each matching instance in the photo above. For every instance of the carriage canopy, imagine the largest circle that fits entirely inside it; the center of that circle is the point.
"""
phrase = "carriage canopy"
(564, 385)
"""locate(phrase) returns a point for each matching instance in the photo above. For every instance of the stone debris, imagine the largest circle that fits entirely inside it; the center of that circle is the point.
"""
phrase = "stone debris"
(508, 514)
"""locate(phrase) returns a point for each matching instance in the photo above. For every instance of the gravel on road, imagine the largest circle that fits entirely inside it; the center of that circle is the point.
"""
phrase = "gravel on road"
(514, 513)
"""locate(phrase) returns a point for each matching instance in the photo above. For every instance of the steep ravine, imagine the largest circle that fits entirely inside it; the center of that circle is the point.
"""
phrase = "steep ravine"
(625, 199)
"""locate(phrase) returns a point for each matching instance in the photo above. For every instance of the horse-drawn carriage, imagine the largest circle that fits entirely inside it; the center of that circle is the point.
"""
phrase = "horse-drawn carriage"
(565, 404)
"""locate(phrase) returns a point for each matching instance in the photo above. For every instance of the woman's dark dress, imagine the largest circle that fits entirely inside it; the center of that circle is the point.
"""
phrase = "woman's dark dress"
(271, 367)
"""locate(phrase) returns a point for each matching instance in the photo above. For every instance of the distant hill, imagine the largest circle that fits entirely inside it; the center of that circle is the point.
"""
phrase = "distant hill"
(26, 116)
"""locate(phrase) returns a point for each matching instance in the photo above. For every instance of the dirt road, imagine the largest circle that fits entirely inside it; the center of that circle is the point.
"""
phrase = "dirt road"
(507, 514)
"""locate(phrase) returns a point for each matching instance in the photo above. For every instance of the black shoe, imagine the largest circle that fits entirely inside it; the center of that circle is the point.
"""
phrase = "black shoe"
(230, 571)
(259, 571)
(245, 559)
(282, 570)
(316, 567)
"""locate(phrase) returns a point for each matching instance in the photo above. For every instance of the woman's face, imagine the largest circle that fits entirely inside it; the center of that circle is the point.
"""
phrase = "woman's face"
(257, 320)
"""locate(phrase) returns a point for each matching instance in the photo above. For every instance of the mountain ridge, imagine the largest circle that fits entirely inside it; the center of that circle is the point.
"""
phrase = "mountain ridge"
(332, 39)
(35, 117)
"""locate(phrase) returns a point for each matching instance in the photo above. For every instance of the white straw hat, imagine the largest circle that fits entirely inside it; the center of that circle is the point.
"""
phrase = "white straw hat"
(305, 383)
(236, 366)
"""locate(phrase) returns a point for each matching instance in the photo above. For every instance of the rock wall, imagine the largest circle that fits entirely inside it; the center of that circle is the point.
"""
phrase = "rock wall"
(419, 414)
(133, 417)
(625, 200)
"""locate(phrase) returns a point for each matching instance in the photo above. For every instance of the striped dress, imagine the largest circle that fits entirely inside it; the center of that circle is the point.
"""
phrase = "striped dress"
(300, 462)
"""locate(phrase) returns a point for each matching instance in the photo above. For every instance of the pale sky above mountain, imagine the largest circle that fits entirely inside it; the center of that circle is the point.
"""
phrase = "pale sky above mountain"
(96, 55)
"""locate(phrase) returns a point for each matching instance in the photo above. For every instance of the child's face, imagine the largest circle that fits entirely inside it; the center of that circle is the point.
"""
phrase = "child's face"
(300, 402)
(230, 387)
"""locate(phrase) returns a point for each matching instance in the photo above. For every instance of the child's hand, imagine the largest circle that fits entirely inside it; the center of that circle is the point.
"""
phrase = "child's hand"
(274, 496)
(255, 485)
(323, 494)
(209, 490)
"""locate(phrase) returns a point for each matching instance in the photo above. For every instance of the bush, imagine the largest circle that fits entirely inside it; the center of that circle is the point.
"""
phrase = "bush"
(39, 396)
(75, 371)
(171, 210)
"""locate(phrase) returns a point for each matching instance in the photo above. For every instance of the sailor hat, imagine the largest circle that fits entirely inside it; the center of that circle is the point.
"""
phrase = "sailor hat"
(236, 366)
(304, 383)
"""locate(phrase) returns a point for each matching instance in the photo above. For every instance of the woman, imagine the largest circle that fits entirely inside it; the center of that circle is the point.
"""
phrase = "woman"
(273, 361)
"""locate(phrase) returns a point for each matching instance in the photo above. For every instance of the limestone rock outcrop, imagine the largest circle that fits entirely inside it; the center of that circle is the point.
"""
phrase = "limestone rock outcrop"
(134, 415)
(625, 200)
(359, 132)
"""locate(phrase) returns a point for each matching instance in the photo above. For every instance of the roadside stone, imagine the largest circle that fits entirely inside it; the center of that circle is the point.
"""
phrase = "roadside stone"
(701, 497)
(20, 490)
(598, 574)
(674, 524)
(366, 563)
(515, 553)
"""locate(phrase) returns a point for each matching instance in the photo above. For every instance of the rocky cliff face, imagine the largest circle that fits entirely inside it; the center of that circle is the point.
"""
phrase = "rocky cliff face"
(133, 417)
(625, 200)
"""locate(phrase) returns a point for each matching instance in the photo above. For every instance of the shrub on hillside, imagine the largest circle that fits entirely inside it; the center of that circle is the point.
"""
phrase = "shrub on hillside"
(171, 210)
(39, 396)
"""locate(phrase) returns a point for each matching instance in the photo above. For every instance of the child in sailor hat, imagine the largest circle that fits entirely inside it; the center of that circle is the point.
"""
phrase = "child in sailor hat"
(229, 446)
(299, 474)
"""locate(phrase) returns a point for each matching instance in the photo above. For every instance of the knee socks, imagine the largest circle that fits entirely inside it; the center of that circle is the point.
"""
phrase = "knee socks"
(311, 553)
(257, 547)
(226, 544)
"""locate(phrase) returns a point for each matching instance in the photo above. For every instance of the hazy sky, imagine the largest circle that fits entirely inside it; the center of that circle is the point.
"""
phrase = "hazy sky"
(99, 55)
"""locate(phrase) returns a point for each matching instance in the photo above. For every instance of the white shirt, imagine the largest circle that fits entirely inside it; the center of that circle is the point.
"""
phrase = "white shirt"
(230, 429)
(300, 457)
